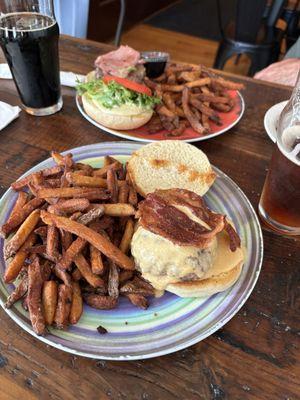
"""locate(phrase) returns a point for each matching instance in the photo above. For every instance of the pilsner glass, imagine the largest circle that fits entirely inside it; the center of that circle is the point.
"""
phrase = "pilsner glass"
(29, 39)
(279, 205)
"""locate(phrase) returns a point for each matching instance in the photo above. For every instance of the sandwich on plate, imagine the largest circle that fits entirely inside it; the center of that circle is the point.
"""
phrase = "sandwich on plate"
(114, 94)
(179, 244)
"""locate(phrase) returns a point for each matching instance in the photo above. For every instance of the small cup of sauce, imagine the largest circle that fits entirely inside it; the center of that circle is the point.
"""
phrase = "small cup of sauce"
(155, 62)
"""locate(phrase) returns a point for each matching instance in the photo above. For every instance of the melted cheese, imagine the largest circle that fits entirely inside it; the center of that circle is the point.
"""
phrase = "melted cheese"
(162, 262)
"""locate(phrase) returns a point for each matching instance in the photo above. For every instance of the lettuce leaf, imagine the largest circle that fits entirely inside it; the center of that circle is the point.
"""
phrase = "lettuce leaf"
(112, 94)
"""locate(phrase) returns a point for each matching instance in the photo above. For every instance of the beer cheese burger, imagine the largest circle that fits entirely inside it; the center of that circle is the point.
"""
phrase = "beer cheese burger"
(114, 94)
(179, 245)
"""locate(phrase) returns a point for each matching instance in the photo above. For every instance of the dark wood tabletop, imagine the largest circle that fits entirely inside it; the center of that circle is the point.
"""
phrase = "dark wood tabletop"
(255, 356)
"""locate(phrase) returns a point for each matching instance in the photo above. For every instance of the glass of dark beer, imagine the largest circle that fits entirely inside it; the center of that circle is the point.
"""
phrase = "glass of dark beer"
(29, 39)
(279, 205)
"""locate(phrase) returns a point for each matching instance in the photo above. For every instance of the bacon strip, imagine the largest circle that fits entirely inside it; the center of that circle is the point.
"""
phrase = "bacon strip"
(159, 215)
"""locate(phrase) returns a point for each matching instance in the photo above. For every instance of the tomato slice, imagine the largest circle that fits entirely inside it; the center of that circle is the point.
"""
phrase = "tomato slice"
(128, 84)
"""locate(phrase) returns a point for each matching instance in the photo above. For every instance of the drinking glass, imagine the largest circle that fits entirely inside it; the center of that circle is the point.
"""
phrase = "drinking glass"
(29, 39)
(279, 205)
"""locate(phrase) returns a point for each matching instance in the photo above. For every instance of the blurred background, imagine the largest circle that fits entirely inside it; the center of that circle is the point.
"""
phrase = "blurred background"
(239, 36)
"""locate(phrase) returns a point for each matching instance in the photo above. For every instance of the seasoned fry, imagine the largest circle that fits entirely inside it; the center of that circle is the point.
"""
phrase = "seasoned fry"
(49, 300)
(103, 171)
(228, 84)
(198, 82)
(85, 270)
(91, 215)
(112, 185)
(96, 261)
(132, 197)
(126, 239)
(69, 206)
(116, 210)
(64, 302)
(68, 257)
(113, 280)
(52, 242)
(172, 88)
(76, 275)
(75, 192)
(124, 276)
(138, 300)
(96, 239)
(86, 168)
(22, 183)
(76, 306)
(66, 240)
(18, 293)
(123, 193)
(41, 232)
(86, 181)
(197, 126)
(22, 234)
(62, 275)
(15, 266)
(20, 215)
(35, 284)
(101, 302)
(20, 202)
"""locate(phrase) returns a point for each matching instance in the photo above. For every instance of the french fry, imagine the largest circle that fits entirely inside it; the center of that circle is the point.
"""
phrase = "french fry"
(113, 280)
(123, 193)
(62, 275)
(197, 126)
(22, 183)
(41, 232)
(18, 293)
(101, 302)
(138, 300)
(76, 306)
(49, 300)
(68, 257)
(63, 308)
(15, 266)
(124, 276)
(86, 168)
(127, 236)
(132, 197)
(86, 181)
(76, 275)
(91, 215)
(85, 270)
(20, 202)
(20, 215)
(75, 192)
(101, 172)
(22, 234)
(198, 82)
(116, 210)
(112, 185)
(52, 242)
(69, 206)
(35, 284)
(96, 261)
(96, 239)
(66, 240)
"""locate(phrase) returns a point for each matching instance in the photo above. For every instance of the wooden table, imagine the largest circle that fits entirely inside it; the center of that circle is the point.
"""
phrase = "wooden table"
(253, 357)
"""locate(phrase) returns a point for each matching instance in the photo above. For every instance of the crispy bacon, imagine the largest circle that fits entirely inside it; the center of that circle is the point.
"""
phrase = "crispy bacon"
(159, 215)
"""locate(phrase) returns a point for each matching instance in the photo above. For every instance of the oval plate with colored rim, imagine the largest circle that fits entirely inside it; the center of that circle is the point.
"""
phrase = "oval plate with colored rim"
(170, 323)
(142, 134)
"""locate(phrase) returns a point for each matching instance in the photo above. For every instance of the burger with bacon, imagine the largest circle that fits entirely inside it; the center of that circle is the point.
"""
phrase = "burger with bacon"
(114, 94)
(180, 245)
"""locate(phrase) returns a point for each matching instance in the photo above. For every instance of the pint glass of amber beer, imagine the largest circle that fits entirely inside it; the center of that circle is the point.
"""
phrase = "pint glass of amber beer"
(279, 205)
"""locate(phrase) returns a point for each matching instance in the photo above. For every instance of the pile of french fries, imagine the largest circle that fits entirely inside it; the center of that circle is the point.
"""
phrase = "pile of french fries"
(191, 96)
(68, 242)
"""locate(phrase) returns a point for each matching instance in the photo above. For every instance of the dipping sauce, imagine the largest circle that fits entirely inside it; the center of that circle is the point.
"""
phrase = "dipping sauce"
(155, 62)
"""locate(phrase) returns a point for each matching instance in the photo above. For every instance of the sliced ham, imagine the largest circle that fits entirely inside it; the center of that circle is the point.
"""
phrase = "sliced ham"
(118, 62)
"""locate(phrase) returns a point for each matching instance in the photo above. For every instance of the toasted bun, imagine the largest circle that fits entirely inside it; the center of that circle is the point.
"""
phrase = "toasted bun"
(120, 118)
(207, 287)
(170, 164)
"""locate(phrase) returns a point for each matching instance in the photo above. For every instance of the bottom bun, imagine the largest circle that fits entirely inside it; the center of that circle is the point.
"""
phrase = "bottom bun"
(115, 119)
(207, 287)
